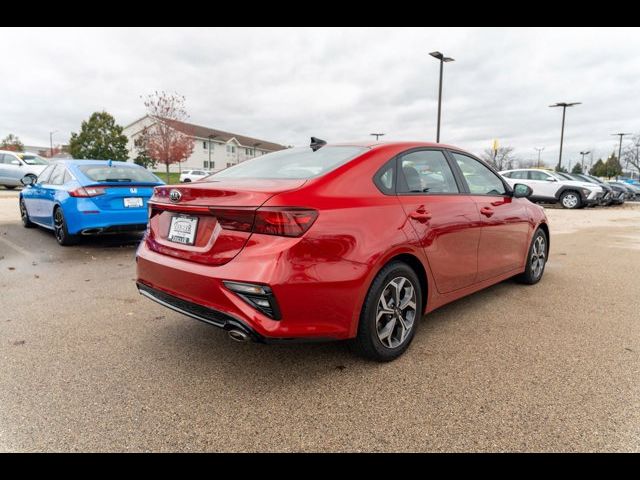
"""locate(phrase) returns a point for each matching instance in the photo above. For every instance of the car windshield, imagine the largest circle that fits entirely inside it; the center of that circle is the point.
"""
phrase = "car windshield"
(294, 163)
(565, 176)
(33, 159)
(104, 173)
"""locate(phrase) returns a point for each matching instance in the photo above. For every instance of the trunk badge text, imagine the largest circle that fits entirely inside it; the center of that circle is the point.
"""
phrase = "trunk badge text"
(175, 195)
(133, 190)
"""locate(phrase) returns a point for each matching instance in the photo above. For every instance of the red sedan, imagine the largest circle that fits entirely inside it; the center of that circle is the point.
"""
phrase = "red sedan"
(348, 241)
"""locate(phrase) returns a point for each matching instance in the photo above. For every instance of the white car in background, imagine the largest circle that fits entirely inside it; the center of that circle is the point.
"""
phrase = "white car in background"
(194, 175)
(16, 165)
(549, 187)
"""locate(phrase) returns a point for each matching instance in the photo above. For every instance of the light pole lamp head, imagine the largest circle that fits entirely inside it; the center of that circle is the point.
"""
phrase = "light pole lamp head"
(441, 57)
(565, 104)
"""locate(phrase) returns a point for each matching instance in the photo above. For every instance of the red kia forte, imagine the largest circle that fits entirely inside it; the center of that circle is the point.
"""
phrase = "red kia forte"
(348, 241)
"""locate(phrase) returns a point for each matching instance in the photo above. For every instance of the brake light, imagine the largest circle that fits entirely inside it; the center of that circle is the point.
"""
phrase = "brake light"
(282, 221)
(286, 221)
(87, 192)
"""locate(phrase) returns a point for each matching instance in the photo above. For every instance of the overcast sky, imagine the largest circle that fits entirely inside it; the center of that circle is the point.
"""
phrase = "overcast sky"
(284, 85)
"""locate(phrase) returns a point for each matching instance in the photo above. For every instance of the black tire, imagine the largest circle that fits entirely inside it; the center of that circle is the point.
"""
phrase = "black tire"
(534, 271)
(186, 180)
(571, 199)
(402, 322)
(10, 187)
(60, 230)
(24, 215)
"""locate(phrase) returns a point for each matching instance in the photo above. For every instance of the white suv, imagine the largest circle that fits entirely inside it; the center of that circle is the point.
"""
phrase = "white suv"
(549, 187)
(16, 165)
(193, 175)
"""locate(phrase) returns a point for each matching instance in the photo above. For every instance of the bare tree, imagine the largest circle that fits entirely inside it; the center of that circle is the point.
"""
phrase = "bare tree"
(631, 154)
(502, 159)
(163, 141)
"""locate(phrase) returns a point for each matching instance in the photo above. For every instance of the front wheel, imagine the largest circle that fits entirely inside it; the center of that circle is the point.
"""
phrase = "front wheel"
(570, 200)
(10, 187)
(536, 259)
(60, 230)
(390, 314)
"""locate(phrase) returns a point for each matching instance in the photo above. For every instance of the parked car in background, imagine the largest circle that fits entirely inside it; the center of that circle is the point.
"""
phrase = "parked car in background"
(193, 175)
(631, 191)
(15, 165)
(352, 241)
(87, 197)
(549, 187)
(609, 194)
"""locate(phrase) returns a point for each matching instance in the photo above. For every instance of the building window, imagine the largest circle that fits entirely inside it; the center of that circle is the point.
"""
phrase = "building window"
(231, 149)
(229, 164)
(249, 151)
(204, 145)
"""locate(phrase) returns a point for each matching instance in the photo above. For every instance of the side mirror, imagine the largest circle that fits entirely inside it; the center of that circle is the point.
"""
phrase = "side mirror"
(551, 179)
(16, 162)
(520, 190)
(28, 180)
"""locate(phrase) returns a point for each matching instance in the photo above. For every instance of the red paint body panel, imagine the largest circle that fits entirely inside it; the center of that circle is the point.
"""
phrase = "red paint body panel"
(320, 279)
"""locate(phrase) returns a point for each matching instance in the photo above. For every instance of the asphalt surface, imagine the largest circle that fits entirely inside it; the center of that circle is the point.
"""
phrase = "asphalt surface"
(89, 365)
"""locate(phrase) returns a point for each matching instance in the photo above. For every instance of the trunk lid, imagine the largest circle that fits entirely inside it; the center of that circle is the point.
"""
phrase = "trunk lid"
(205, 207)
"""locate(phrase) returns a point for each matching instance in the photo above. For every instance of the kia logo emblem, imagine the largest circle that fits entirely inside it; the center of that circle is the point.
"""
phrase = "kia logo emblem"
(133, 190)
(175, 195)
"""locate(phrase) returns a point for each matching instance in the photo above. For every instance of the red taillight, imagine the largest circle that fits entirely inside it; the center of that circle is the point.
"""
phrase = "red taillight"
(87, 192)
(287, 222)
(283, 221)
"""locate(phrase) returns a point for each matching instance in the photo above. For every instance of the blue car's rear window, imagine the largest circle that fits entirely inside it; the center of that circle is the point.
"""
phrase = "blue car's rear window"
(104, 173)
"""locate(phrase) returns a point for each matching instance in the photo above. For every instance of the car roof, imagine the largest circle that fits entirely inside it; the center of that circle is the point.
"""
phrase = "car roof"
(407, 144)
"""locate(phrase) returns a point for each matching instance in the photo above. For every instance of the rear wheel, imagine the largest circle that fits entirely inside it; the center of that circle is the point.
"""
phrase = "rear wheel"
(60, 230)
(570, 199)
(24, 215)
(536, 259)
(10, 187)
(390, 315)
(187, 180)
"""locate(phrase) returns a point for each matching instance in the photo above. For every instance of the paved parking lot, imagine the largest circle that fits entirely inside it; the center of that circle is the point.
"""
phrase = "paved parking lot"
(88, 364)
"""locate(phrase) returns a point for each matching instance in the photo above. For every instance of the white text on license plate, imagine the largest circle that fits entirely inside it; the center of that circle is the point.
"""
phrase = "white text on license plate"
(132, 202)
(183, 229)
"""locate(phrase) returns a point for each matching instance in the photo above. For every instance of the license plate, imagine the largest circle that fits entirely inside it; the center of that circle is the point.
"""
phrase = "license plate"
(133, 202)
(183, 229)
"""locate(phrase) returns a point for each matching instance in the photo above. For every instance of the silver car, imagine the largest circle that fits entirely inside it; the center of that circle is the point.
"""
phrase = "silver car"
(16, 165)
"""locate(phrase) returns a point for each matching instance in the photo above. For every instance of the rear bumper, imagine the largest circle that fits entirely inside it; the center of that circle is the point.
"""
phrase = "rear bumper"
(312, 309)
(82, 215)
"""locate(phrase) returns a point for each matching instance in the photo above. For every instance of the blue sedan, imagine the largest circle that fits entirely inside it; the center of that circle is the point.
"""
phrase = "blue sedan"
(87, 197)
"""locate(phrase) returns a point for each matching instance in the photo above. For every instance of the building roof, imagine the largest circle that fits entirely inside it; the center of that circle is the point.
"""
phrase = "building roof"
(222, 136)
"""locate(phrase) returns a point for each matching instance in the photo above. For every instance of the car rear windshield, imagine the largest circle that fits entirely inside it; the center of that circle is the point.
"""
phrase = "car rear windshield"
(298, 163)
(104, 173)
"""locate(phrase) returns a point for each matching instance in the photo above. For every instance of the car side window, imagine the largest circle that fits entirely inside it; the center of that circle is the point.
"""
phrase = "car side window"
(425, 171)
(57, 176)
(538, 175)
(67, 176)
(2, 158)
(385, 178)
(519, 175)
(46, 173)
(7, 159)
(481, 180)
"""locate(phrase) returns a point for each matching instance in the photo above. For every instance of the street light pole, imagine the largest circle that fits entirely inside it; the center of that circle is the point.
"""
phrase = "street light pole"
(583, 154)
(51, 143)
(442, 59)
(539, 151)
(377, 135)
(564, 106)
(620, 148)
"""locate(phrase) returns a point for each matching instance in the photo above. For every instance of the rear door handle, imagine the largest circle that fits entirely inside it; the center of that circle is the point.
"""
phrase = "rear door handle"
(420, 215)
(486, 211)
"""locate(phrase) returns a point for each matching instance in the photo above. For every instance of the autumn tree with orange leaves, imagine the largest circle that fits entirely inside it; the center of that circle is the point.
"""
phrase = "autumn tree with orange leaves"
(161, 141)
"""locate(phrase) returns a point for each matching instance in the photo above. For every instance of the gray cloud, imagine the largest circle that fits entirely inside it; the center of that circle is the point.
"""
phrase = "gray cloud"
(286, 84)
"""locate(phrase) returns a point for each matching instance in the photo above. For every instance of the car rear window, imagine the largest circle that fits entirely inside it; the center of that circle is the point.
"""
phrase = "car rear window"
(104, 173)
(295, 163)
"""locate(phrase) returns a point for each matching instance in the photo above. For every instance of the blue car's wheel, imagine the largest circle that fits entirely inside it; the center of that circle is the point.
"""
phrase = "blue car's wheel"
(60, 229)
(24, 215)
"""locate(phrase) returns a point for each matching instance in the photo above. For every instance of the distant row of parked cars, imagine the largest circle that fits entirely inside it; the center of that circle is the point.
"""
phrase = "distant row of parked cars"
(572, 190)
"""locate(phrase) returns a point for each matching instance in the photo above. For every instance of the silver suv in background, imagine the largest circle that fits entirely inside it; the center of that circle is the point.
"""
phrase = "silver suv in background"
(193, 175)
(16, 165)
(549, 187)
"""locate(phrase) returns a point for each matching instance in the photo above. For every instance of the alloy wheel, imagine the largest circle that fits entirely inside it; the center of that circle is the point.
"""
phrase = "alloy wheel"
(396, 312)
(570, 200)
(58, 225)
(538, 256)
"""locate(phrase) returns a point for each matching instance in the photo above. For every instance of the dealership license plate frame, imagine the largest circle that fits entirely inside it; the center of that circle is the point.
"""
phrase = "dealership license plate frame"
(133, 202)
(182, 237)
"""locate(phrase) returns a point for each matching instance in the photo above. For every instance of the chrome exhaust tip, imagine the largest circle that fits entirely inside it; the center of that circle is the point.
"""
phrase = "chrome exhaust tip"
(238, 335)
(91, 231)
